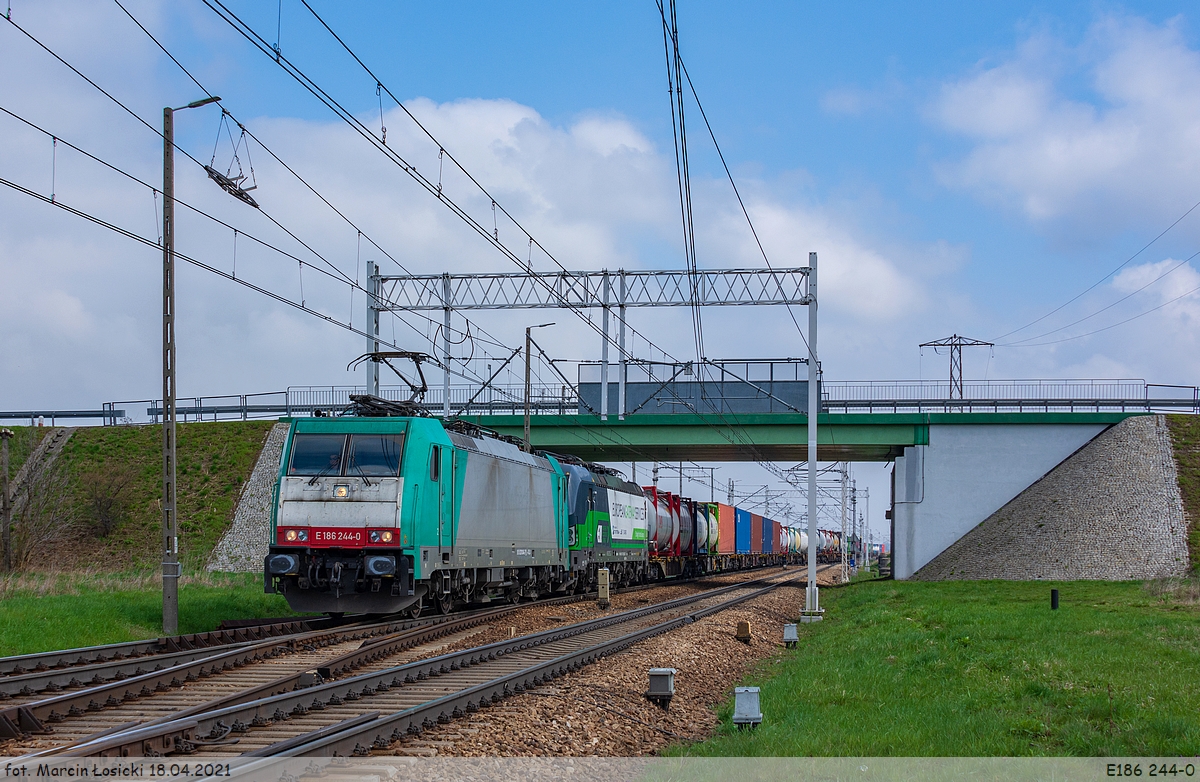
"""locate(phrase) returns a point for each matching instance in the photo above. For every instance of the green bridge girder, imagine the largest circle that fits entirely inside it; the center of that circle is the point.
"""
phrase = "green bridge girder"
(862, 437)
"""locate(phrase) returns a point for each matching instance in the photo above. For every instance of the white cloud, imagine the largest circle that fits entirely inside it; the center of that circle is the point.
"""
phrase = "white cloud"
(1103, 159)
(80, 309)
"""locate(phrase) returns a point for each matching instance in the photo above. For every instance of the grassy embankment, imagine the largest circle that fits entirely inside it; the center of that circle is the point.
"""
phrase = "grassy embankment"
(90, 585)
(22, 443)
(1185, 441)
(214, 461)
(983, 669)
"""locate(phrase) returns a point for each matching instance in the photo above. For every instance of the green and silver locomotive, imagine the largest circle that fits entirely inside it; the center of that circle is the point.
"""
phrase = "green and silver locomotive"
(378, 515)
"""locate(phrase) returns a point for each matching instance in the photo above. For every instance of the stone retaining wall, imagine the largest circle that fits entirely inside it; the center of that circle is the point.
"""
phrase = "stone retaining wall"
(243, 547)
(1110, 511)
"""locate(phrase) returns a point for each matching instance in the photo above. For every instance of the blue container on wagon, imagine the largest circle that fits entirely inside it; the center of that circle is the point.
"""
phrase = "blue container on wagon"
(741, 520)
(768, 536)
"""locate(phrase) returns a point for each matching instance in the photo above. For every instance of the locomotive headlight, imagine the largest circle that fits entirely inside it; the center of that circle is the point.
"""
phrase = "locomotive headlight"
(341, 491)
(387, 536)
(290, 535)
(373, 536)
(303, 535)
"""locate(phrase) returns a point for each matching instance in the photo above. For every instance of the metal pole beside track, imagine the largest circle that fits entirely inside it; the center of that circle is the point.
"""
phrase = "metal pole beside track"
(373, 325)
(527, 362)
(812, 606)
(170, 542)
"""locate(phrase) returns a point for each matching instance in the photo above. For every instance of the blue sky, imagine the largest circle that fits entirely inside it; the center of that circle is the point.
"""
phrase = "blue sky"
(959, 167)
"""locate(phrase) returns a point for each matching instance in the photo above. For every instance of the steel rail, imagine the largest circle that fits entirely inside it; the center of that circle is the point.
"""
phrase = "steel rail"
(37, 662)
(26, 719)
(185, 734)
(32, 717)
(90, 655)
(53, 682)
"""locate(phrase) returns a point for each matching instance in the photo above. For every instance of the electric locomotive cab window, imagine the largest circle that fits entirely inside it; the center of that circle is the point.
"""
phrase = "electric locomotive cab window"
(435, 463)
(317, 454)
(375, 454)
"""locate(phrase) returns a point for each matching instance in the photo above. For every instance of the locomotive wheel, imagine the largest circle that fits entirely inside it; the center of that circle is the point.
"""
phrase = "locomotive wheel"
(414, 610)
(444, 603)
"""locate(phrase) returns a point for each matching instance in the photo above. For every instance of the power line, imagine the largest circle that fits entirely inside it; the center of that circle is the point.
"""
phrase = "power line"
(682, 169)
(195, 262)
(1113, 326)
(491, 237)
(188, 206)
(1019, 342)
(728, 173)
(337, 273)
(1096, 284)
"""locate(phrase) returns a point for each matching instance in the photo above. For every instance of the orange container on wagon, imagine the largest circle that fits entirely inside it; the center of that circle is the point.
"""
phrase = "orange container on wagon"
(726, 526)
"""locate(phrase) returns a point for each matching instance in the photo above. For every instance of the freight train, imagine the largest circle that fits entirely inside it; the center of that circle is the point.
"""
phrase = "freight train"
(400, 513)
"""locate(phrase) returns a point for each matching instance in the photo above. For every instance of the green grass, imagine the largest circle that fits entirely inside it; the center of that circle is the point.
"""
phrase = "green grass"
(99, 611)
(214, 461)
(21, 444)
(1185, 442)
(982, 669)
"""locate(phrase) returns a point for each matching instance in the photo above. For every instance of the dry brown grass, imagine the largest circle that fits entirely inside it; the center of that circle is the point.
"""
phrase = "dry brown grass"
(1181, 591)
(93, 580)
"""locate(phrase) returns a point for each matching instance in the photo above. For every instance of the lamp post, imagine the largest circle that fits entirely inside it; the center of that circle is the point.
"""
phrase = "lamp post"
(170, 561)
(528, 361)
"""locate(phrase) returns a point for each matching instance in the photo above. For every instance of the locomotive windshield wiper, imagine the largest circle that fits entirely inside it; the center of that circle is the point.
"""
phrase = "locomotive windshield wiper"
(366, 481)
(312, 481)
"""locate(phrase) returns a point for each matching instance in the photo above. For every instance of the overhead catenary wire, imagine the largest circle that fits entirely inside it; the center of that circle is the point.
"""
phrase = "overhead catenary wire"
(491, 237)
(336, 272)
(187, 258)
(256, 40)
(232, 276)
(246, 131)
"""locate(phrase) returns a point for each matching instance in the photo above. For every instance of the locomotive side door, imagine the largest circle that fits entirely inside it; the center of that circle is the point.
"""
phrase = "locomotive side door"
(438, 459)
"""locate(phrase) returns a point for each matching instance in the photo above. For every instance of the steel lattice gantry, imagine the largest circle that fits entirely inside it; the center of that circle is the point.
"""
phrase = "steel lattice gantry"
(586, 290)
(583, 290)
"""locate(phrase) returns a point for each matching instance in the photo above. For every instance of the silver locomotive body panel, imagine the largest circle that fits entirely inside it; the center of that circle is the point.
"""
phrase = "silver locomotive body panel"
(507, 507)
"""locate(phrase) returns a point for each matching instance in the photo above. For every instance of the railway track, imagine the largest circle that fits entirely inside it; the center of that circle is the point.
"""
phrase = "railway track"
(395, 689)
(42, 672)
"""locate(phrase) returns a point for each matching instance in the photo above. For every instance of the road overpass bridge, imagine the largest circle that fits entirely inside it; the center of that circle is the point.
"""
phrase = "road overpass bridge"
(957, 461)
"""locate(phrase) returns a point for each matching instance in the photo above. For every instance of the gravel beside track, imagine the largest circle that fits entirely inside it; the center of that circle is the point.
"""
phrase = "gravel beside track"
(407, 695)
(602, 711)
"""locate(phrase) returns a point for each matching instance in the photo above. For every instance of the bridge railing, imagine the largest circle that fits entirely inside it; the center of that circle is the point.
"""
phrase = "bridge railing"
(1033, 395)
(838, 397)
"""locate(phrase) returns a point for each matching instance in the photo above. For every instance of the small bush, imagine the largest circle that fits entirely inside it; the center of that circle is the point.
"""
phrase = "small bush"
(107, 492)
